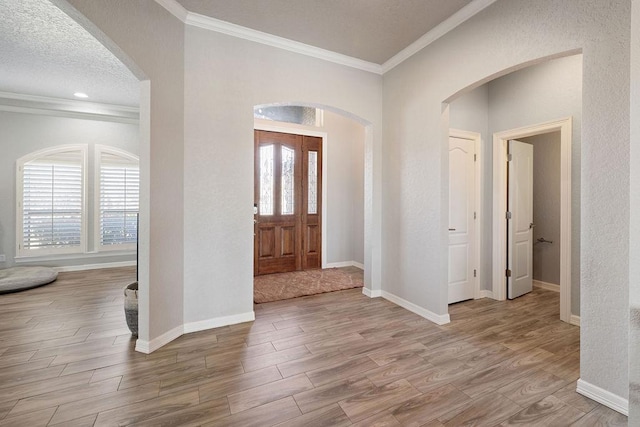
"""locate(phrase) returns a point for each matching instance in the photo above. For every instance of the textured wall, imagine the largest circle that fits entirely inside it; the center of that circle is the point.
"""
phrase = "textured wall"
(151, 42)
(416, 168)
(544, 92)
(25, 133)
(546, 206)
(470, 112)
(219, 153)
(634, 222)
(225, 77)
(536, 94)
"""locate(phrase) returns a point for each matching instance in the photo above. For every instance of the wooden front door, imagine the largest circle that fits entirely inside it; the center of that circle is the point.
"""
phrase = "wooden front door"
(288, 183)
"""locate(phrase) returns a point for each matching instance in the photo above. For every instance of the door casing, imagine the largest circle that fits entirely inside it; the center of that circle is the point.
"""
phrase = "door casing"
(499, 250)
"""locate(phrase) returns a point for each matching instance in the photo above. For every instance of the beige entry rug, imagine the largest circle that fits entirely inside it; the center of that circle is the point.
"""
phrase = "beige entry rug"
(281, 286)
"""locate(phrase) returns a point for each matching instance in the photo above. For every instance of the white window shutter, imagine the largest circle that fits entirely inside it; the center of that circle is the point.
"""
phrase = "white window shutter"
(119, 199)
(52, 201)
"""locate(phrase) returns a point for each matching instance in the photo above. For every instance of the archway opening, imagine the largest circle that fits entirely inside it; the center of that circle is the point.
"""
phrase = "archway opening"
(342, 176)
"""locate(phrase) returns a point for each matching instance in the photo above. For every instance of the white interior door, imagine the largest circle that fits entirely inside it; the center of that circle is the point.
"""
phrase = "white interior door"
(461, 219)
(520, 226)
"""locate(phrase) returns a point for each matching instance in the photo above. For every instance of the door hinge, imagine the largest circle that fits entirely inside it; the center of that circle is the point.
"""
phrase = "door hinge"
(474, 215)
(474, 273)
(508, 215)
(509, 157)
(475, 157)
(508, 273)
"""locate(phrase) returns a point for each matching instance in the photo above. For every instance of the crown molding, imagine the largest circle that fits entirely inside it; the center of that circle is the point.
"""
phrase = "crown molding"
(241, 32)
(438, 31)
(213, 24)
(34, 104)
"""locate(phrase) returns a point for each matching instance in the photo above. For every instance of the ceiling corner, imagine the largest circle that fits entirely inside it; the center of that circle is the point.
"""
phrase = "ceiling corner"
(440, 30)
(174, 8)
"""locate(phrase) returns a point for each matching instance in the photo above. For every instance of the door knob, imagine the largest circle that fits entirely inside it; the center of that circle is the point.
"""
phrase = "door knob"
(531, 225)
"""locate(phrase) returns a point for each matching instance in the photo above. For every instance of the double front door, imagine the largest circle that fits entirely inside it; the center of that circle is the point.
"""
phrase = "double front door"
(288, 185)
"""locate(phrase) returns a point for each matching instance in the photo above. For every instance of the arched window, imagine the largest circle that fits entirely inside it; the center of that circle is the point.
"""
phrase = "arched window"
(117, 199)
(51, 199)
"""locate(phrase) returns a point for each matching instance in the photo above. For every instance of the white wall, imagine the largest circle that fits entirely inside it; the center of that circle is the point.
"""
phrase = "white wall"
(218, 183)
(535, 94)
(470, 112)
(345, 185)
(546, 206)
(150, 41)
(545, 92)
(416, 167)
(634, 222)
(223, 78)
(24, 133)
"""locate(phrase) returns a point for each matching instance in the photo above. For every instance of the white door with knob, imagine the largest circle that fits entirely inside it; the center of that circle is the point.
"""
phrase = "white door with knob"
(520, 225)
(462, 227)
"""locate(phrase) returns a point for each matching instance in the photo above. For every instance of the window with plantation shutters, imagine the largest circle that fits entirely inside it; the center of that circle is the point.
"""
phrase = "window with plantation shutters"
(118, 194)
(51, 200)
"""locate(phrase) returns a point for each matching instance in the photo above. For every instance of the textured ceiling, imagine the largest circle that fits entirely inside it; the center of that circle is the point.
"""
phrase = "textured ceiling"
(372, 30)
(46, 53)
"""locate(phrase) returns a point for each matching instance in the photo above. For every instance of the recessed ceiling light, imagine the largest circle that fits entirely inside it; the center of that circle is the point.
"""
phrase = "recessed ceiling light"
(80, 95)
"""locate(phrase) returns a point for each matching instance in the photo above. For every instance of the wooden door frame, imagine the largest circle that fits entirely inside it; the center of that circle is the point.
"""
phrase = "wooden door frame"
(477, 139)
(305, 132)
(564, 126)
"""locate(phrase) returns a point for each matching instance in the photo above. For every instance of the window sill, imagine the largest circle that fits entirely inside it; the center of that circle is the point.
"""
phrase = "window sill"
(64, 257)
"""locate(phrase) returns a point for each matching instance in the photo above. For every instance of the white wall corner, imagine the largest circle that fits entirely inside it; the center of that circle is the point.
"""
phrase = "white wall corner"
(372, 294)
(345, 264)
(357, 264)
(217, 322)
(486, 294)
(174, 8)
(575, 320)
(148, 347)
(545, 285)
(439, 319)
(603, 396)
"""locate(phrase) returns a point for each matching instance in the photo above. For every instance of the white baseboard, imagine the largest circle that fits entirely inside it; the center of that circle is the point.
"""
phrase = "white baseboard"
(217, 322)
(603, 396)
(94, 266)
(486, 294)
(345, 264)
(201, 325)
(148, 347)
(574, 320)
(548, 286)
(439, 319)
(372, 294)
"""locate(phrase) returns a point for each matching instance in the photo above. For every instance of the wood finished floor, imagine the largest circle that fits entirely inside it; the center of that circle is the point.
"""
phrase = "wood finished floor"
(339, 359)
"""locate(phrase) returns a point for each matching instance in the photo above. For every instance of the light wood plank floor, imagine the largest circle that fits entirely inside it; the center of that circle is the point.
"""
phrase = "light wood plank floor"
(339, 359)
